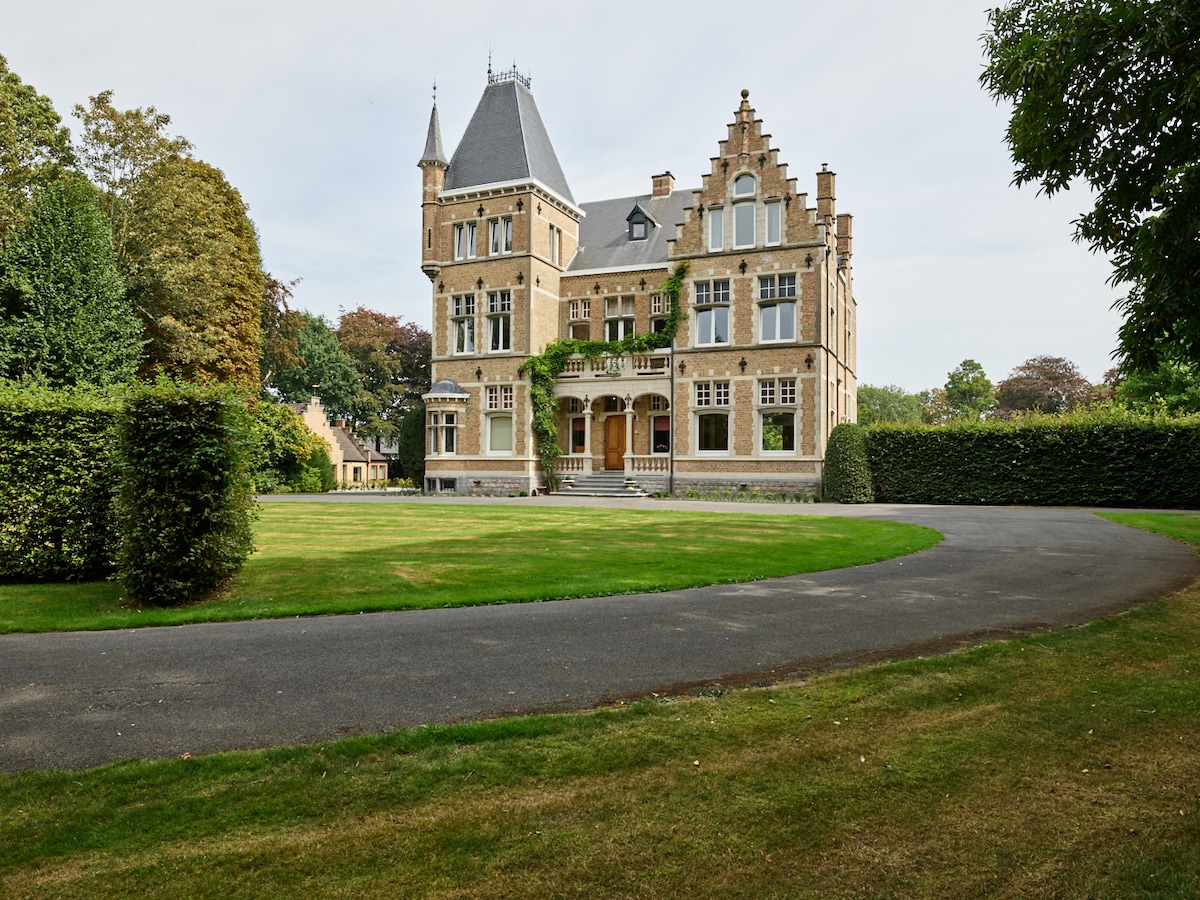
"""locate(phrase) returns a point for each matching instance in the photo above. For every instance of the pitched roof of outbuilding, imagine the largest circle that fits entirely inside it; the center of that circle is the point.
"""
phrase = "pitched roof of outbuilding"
(604, 231)
(506, 141)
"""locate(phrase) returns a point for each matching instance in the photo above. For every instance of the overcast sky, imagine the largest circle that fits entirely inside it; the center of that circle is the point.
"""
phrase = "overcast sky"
(317, 113)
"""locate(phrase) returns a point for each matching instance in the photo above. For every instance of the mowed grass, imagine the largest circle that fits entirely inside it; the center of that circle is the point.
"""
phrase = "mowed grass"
(1058, 766)
(326, 558)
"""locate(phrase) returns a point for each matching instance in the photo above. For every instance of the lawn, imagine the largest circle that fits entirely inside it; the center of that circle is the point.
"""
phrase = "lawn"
(1056, 766)
(326, 558)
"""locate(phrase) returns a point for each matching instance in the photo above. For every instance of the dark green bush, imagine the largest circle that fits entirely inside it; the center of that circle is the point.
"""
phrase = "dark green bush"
(1109, 458)
(846, 475)
(55, 484)
(411, 445)
(184, 504)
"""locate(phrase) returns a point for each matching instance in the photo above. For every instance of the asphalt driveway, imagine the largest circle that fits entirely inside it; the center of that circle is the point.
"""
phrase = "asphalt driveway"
(80, 699)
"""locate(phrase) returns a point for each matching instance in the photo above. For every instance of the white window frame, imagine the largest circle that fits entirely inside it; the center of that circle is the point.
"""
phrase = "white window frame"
(716, 229)
(773, 227)
(744, 214)
(777, 396)
(500, 236)
(500, 397)
(743, 179)
(713, 308)
(499, 321)
(463, 325)
(443, 433)
(492, 419)
(465, 234)
(699, 417)
(779, 292)
(712, 394)
(620, 319)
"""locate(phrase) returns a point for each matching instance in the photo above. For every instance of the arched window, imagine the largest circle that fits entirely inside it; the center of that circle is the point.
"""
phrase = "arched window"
(743, 186)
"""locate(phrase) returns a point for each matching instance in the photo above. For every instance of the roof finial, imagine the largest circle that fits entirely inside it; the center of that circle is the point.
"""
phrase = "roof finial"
(435, 92)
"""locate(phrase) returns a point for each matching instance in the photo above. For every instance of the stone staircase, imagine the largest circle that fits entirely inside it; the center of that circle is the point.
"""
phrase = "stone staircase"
(603, 484)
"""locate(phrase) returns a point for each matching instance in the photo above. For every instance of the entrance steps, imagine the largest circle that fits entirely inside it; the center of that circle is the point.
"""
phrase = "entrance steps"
(602, 484)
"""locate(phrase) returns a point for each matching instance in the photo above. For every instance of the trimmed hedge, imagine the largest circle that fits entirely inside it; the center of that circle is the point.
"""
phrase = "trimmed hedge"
(151, 483)
(185, 504)
(56, 519)
(846, 474)
(1111, 458)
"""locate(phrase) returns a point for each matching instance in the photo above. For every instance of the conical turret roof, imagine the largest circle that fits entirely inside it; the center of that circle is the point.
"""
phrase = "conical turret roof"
(506, 141)
(433, 141)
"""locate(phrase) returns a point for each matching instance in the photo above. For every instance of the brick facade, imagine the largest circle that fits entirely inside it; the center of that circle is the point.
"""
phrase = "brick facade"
(763, 364)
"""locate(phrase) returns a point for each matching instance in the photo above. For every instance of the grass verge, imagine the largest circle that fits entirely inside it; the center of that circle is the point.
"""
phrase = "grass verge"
(326, 558)
(1058, 766)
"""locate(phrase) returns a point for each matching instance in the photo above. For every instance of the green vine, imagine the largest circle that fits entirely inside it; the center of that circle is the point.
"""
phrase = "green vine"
(544, 369)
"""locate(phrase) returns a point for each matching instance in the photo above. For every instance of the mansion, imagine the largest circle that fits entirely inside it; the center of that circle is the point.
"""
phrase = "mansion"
(761, 367)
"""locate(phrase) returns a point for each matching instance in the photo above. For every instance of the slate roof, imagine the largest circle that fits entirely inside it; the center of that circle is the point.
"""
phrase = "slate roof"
(506, 141)
(433, 141)
(604, 231)
(446, 388)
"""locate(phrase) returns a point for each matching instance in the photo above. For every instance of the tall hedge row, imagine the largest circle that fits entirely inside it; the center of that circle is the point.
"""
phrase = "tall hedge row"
(184, 504)
(150, 483)
(1105, 459)
(55, 479)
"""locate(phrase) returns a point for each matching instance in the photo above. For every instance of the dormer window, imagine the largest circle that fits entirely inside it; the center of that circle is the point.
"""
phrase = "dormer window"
(640, 223)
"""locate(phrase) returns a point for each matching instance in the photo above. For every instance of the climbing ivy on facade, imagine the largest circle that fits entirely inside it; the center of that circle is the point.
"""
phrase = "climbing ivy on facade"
(543, 369)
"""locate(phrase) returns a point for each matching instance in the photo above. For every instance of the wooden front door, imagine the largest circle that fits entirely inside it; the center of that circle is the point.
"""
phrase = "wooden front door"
(614, 443)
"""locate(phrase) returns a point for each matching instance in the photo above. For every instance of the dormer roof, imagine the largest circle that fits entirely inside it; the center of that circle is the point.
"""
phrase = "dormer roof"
(506, 142)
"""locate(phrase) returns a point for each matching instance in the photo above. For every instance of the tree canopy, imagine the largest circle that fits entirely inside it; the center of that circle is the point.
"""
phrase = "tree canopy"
(35, 147)
(280, 327)
(968, 392)
(393, 364)
(118, 148)
(1107, 91)
(64, 318)
(199, 290)
(323, 369)
(1048, 384)
(889, 403)
(1173, 388)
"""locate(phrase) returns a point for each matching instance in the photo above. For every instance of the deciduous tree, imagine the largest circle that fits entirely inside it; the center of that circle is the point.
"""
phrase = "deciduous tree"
(195, 275)
(64, 317)
(35, 147)
(889, 403)
(323, 370)
(1173, 388)
(1048, 384)
(969, 393)
(393, 365)
(1107, 91)
(118, 148)
(280, 325)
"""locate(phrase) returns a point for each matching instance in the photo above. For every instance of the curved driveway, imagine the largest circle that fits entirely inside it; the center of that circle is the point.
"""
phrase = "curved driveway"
(79, 699)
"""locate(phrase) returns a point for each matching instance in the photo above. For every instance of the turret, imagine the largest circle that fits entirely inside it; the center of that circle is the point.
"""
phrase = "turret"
(433, 177)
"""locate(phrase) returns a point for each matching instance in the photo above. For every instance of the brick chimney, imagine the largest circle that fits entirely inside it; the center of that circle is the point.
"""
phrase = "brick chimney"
(825, 194)
(662, 185)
